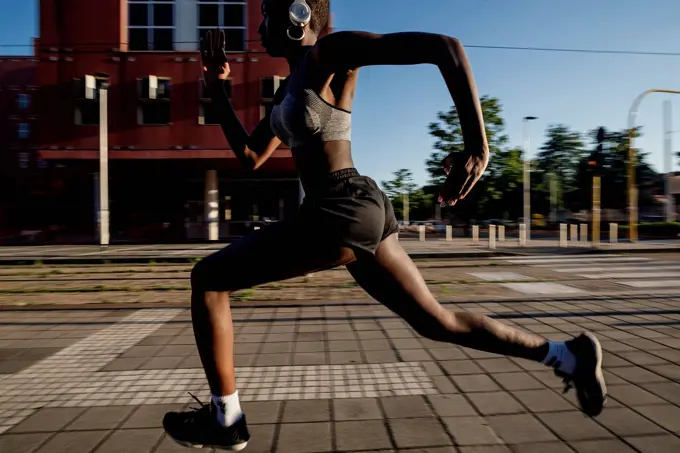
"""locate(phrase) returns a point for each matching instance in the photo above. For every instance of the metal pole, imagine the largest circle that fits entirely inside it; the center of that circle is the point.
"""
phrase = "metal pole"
(527, 178)
(632, 190)
(668, 160)
(596, 211)
(103, 167)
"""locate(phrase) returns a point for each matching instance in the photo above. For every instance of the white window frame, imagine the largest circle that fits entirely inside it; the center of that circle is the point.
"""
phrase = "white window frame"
(150, 27)
(166, 100)
(23, 131)
(220, 20)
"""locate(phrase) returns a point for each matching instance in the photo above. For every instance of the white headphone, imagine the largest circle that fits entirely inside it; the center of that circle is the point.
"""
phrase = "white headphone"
(300, 15)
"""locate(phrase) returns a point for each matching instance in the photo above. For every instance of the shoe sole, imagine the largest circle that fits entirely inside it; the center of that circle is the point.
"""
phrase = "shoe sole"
(598, 391)
(237, 447)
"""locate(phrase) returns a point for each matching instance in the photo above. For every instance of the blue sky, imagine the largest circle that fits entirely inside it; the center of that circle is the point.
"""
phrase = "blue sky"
(394, 104)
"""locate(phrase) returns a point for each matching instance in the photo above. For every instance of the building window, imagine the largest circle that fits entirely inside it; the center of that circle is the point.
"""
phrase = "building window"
(86, 111)
(268, 88)
(154, 98)
(229, 15)
(23, 101)
(23, 159)
(23, 131)
(151, 24)
(207, 114)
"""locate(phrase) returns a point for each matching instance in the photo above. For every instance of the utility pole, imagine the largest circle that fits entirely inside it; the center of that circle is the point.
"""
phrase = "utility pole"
(596, 162)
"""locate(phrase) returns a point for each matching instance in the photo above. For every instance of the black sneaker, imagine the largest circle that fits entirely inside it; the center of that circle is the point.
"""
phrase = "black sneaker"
(587, 378)
(199, 428)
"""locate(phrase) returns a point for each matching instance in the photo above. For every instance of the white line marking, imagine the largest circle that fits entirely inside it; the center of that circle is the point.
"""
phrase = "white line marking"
(499, 276)
(542, 288)
(652, 283)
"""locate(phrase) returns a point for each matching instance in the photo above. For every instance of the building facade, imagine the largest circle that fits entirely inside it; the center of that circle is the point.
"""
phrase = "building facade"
(170, 167)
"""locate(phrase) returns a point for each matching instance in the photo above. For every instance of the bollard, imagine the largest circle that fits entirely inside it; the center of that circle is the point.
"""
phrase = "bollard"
(501, 233)
(573, 231)
(421, 229)
(449, 233)
(522, 234)
(584, 233)
(492, 236)
(563, 235)
(475, 233)
(613, 233)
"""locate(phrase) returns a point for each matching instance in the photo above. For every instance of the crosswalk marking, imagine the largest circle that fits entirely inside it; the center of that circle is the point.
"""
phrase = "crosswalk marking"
(627, 271)
(499, 276)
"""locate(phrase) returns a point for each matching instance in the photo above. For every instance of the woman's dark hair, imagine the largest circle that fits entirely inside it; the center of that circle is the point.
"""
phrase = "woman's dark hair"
(320, 13)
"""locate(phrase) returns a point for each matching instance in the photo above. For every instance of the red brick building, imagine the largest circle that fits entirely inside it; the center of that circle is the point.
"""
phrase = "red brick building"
(166, 154)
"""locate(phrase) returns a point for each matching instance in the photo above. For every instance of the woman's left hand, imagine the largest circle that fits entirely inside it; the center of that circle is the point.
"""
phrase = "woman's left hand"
(463, 170)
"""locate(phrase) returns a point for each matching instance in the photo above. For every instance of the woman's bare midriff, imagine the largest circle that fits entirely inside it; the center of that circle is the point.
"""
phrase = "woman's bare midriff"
(314, 161)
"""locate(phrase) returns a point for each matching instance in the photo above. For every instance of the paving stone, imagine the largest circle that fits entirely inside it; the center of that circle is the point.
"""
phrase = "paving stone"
(406, 343)
(637, 375)
(414, 355)
(494, 403)
(161, 363)
(543, 447)
(139, 440)
(486, 449)
(542, 400)
(458, 367)
(356, 409)
(624, 422)
(669, 391)
(150, 416)
(517, 429)
(14, 366)
(498, 365)
(22, 443)
(405, 407)
(273, 359)
(344, 358)
(305, 437)
(73, 442)
(310, 346)
(358, 435)
(276, 348)
(671, 371)
(518, 381)
(418, 432)
(142, 351)
(632, 395)
(383, 356)
(475, 383)
(310, 358)
(107, 417)
(262, 412)
(47, 420)
(601, 446)
(306, 411)
(261, 439)
(573, 426)
(471, 431)
(641, 358)
(655, 444)
(451, 405)
(666, 415)
(126, 364)
(340, 346)
(448, 353)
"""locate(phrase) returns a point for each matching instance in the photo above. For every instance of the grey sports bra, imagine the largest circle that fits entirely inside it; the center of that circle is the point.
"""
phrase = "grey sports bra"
(303, 116)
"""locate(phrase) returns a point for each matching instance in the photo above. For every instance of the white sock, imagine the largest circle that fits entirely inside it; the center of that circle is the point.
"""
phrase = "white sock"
(228, 409)
(559, 353)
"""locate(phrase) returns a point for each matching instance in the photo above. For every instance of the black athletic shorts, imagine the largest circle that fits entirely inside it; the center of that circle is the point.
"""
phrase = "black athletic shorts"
(343, 210)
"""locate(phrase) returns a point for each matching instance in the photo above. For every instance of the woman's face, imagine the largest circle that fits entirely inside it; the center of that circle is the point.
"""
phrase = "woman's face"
(273, 28)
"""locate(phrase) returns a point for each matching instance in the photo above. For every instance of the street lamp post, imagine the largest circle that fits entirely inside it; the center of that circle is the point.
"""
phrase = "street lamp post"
(527, 177)
(668, 160)
(632, 189)
(99, 83)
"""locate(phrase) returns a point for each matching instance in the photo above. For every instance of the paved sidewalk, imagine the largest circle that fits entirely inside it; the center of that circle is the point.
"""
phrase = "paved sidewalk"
(345, 377)
(431, 248)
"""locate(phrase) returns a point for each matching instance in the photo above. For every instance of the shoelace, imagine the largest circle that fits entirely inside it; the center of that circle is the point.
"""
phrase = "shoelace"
(204, 407)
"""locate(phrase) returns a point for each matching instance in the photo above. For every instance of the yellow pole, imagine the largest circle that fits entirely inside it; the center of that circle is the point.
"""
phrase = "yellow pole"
(596, 211)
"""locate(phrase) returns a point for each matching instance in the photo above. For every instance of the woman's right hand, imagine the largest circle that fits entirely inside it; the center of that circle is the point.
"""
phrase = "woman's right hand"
(214, 57)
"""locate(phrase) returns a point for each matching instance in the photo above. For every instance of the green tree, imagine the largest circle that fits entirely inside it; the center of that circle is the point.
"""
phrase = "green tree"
(614, 174)
(559, 158)
(504, 183)
(449, 136)
(402, 184)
